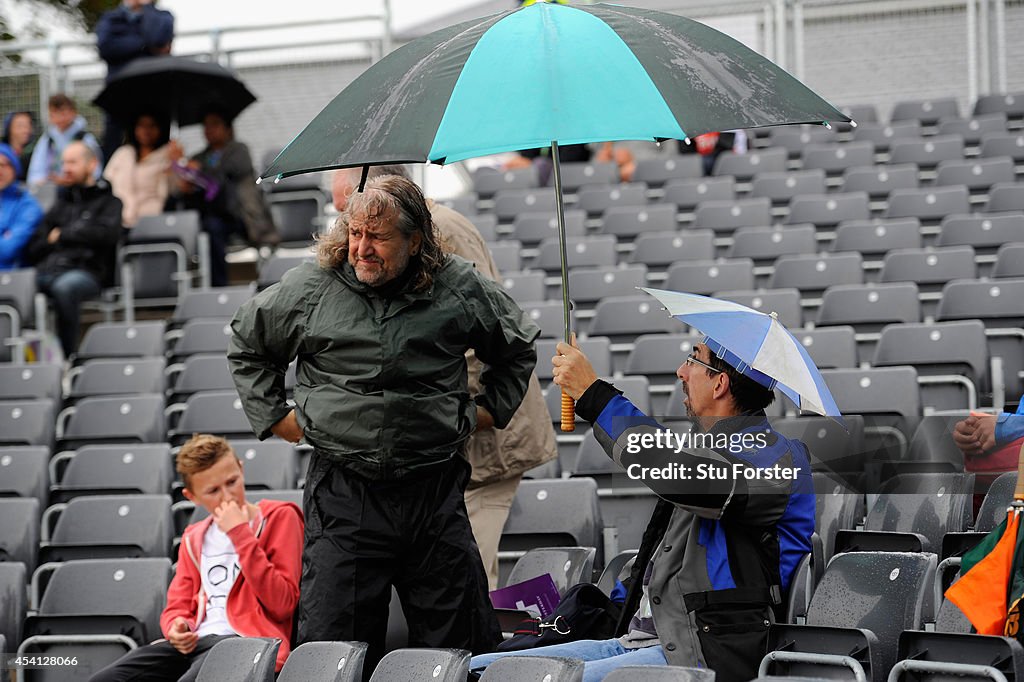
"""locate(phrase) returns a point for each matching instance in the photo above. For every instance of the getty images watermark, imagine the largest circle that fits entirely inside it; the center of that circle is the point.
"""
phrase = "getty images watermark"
(734, 443)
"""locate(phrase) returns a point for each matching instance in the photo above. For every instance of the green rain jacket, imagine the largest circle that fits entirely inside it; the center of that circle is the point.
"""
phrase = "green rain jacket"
(381, 384)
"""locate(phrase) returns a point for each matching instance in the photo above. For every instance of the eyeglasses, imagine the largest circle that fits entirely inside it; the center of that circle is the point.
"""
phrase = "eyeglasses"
(692, 360)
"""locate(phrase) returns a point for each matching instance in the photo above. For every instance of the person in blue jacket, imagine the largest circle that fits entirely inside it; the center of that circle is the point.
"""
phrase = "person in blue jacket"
(740, 514)
(19, 211)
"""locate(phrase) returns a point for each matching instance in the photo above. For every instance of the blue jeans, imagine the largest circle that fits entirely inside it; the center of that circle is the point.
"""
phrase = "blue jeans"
(601, 656)
(67, 291)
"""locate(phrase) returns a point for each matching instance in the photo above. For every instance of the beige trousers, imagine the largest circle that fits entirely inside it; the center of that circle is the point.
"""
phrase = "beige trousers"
(488, 507)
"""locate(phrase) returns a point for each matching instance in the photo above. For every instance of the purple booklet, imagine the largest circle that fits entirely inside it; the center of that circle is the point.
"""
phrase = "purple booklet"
(539, 596)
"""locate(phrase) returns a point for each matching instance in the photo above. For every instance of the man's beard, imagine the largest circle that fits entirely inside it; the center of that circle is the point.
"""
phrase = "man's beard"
(377, 276)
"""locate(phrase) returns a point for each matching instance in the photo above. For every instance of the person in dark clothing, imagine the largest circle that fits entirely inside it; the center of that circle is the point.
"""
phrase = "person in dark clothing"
(19, 135)
(380, 327)
(134, 29)
(74, 248)
(223, 190)
(731, 539)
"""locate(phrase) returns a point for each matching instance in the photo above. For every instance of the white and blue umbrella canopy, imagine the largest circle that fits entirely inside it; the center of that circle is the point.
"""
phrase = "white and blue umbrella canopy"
(756, 344)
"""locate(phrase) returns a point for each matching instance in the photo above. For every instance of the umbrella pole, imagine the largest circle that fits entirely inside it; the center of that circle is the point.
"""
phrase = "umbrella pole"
(568, 408)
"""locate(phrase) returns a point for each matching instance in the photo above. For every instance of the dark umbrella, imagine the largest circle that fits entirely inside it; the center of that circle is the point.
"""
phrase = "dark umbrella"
(179, 89)
(549, 74)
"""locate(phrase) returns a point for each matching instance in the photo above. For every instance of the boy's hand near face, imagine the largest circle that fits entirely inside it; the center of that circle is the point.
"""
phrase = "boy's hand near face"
(228, 515)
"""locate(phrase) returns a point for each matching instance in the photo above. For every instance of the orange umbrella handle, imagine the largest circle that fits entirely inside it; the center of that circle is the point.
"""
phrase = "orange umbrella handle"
(569, 413)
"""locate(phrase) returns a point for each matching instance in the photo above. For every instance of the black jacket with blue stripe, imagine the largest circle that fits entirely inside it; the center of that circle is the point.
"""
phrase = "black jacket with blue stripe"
(738, 529)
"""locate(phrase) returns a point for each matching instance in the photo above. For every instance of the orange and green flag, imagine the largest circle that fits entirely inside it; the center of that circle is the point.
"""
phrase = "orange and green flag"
(989, 585)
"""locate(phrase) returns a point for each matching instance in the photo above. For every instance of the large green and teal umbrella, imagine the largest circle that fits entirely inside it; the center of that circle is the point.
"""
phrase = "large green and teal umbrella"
(549, 74)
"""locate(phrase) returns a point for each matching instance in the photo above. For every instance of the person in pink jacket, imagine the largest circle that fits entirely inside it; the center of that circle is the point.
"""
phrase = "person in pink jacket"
(238, 571)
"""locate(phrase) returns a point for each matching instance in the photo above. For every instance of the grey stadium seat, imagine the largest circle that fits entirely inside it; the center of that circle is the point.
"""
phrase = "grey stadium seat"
(997, 499)
(925, 111)
(634, 221)
(161, 249)
(553, 513)
(892, 591)
(464, 204)
(768, 243)
(144, 469)
(1006, 196)
(830, 347)
(525, 668)
(1009, 261)
(593, 284)
(107, 526)
(705, 277)
(27, 422)
(489, 181)
(869, 307)
(836, 158)
(975, 173)
(486, 225)
(13, 579)
(216, 412)
(550, 317)
(997, 303)
(928, 266)
(205, 335)
(97, 610)
(665, 248)
(825, 210)
(273, 269)
(508, 203)
(880, 181)
(973, 129)
(580, 252)
(23, 471)
(631, 316)
(595, 200)
(927, 152)
(686, 194)
(19, 533)
(579, 174)
(269, 465)
(437, 665)
(113, 419)
(780, 187)
(816, 272)
(956, 351)
(240, 659)
(325, 662)
(912, 513)
(532, 228)
(122, 340)
(30, 381)
(661, 673)
(887, 396)
(1003, 144)
(933, 450)
(982, 231)
(117, 377)
(506, 255)
(726, 216)
(658, 356)
(878, 236)
(200, 372)
(524, 286)
(794, 140)
(784, 302)
(928, 203)
(860, 113)
(218, 303)
(883, 134)
(658, 170)
(1011, 104)
(745, 166)
(933, 655)
(567, 566)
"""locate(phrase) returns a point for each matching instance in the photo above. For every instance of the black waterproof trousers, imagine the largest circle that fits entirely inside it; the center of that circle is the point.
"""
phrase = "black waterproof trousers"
(363, 537)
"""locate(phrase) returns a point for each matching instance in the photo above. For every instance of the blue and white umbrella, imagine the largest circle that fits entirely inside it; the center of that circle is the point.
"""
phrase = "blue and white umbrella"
(756, 344)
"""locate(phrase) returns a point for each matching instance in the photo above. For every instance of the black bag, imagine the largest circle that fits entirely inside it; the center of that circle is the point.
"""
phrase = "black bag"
(585, 612)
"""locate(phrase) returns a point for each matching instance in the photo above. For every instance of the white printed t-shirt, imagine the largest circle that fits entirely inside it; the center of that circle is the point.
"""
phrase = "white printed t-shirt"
(218, 567)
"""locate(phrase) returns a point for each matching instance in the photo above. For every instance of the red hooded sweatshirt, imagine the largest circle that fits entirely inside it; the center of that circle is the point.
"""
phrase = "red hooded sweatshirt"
(263, 598)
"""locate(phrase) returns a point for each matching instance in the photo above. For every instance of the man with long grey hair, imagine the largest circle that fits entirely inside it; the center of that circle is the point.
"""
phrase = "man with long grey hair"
(380, 326)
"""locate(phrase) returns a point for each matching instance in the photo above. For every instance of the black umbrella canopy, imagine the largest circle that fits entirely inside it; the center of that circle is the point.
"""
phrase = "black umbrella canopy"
(179, 89)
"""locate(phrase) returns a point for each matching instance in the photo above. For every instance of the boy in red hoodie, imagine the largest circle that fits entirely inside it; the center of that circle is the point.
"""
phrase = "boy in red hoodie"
(238, 571)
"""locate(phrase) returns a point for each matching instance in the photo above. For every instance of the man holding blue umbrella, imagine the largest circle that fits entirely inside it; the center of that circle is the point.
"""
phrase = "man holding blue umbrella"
(736, 516)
